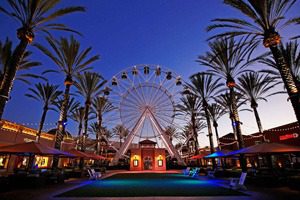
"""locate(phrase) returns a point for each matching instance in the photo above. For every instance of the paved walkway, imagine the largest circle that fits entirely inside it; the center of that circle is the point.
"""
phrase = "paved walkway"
(48, 193)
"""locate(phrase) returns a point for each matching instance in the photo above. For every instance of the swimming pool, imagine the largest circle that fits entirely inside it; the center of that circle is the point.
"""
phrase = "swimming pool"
(150, 184)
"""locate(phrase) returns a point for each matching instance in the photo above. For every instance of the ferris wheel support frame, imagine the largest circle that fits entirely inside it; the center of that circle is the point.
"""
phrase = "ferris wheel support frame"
(170, 148)
(123, 149)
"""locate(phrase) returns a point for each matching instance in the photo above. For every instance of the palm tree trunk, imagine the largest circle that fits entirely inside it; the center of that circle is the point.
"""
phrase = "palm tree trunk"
(209, 130)
(78, 135)
(215, 124)
(10, 74)
(38, 135)
(237, 125)
(85, 128)
(288, 80)
(195, 135)
(99, 131)
(60, 124)
(258, 121)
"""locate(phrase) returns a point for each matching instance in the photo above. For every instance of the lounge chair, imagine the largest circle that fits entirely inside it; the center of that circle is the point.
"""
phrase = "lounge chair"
(195, 172)
(211, 173)
(186, 171)
(238, 183)
(93, 174)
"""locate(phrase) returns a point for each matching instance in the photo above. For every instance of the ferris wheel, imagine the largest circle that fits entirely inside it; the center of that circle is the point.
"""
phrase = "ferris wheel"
(145, 98)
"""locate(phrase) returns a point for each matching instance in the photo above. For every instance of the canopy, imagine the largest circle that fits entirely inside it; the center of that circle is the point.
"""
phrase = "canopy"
(199, 156)
(216, 154)
(33, 148)
(81, 154)
(266, 148)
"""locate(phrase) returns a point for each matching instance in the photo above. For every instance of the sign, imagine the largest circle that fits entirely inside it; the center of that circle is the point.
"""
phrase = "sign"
(288, 136)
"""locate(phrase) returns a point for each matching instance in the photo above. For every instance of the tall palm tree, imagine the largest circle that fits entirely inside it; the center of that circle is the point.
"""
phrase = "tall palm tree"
(263, 20)
(73, 105)
(24, 65)
(291, 54)
(47, 94)
(206, 88)
(255, 87)
(95, 130)
(70, 60)
(34, 16)
(216, 111)
(227, 59)
(120, 131)
(190, 105)
(225, 101)
(88, 85)
(172, 132)
(78, 116)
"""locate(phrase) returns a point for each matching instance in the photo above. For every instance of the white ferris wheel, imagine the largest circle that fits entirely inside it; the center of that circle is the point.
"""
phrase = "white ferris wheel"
(145, 98)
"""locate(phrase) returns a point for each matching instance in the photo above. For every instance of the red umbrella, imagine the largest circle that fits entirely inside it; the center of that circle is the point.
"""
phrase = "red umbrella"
(81, 154)
(266, 148)
(199, 156)
(32, 148)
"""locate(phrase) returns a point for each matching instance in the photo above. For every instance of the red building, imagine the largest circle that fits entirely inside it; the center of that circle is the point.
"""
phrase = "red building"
(286, 134)
(147, 157)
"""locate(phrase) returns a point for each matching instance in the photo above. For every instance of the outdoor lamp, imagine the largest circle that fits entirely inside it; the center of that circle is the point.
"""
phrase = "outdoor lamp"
(135, 161)
(160, 161)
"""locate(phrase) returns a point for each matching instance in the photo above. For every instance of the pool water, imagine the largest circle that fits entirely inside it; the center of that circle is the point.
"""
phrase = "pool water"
(150, 184)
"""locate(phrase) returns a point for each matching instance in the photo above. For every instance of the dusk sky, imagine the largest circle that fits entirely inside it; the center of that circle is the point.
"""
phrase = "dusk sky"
(170, 33)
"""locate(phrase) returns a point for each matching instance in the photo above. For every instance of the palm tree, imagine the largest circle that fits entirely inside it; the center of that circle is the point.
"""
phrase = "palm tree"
(254, 87)
(172, 133)
(70, 61)
(95, 130)
(264, 19)
(88, 85)
(205, 87)
(190, 107)
(33, 16)
(72, 106)
(228, 59)
(25, 64)
(291, 54)
(78, 116)
(225, 101)
(47, 94)
(120, 131)
(216, 111)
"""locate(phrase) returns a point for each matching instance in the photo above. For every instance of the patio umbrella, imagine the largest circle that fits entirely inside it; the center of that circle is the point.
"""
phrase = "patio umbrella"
(199, 156)
(216, 154)
(266, 148)
(85, 155)
(32, 148)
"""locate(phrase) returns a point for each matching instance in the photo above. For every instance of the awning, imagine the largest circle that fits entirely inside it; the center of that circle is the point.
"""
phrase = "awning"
(266, 148)
(33, 148)
(216, 154)
(199, 156)
(85, 155)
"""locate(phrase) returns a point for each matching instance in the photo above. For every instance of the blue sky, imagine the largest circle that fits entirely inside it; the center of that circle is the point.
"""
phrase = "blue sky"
(170, 33)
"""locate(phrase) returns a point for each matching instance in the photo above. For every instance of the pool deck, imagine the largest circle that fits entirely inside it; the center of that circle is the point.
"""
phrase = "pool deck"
(48, 193)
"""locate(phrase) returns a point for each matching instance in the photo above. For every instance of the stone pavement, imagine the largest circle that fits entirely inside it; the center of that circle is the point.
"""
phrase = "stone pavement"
(48, 193)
